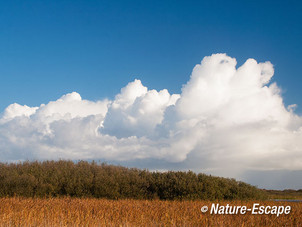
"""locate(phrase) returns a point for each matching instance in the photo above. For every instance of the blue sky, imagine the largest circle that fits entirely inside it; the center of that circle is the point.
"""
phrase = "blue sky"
(49, 48)
(81, 59)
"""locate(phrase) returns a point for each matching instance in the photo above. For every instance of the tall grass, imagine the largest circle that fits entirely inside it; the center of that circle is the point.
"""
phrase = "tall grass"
(17, 211)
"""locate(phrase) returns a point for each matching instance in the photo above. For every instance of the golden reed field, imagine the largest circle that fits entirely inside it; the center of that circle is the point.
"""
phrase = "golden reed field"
(101, 212)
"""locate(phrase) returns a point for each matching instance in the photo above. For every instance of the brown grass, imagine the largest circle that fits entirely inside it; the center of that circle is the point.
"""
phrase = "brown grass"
(102, 212)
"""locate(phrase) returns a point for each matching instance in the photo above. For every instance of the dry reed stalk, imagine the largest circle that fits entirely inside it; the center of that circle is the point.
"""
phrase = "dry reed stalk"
(101, 212)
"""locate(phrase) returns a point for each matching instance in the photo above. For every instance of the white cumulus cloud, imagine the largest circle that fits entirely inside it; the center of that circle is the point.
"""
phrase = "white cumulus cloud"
(226, 120)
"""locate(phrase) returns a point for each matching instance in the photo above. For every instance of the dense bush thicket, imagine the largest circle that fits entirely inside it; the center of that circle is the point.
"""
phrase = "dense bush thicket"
(84, 179)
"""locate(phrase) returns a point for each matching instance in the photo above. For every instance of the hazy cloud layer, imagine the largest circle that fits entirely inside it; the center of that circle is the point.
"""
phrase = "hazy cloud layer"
(226, 120)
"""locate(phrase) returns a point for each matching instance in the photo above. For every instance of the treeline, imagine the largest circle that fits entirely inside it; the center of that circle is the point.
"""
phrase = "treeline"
(89, 179)
(285, 194)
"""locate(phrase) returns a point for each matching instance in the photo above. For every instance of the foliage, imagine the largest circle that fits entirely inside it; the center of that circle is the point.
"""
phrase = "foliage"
(85, 179)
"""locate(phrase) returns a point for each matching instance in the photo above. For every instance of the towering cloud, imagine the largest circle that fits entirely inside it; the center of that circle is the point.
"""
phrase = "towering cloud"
(225, 119)
(136, 111)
